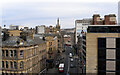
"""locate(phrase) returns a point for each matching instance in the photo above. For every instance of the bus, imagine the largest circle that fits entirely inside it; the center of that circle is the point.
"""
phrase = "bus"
(61, 67)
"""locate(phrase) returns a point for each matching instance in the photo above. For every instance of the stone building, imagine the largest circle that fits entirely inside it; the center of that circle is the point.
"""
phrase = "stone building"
(23, 55)
(53, 30)
(51, 48)
(40, 29)
(14, 32)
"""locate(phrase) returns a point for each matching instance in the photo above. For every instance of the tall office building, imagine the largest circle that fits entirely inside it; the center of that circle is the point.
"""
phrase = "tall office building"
(81, 25)
(119, 13)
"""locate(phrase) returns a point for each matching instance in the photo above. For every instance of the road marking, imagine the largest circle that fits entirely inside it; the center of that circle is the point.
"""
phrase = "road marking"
(68, 66)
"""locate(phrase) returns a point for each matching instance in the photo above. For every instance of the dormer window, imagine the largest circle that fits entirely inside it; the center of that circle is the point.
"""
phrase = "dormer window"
(21, 43)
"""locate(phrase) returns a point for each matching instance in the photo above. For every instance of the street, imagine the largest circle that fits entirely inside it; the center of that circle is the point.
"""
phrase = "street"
(68, 70)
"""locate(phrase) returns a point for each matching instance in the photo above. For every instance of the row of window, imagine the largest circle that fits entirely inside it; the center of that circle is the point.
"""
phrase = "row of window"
(42, 51)
(12, 74)
(13, 53)
(12, 64)
(50, 49)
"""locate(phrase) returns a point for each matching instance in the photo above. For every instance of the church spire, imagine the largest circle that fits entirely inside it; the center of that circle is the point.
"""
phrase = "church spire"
(58, 21)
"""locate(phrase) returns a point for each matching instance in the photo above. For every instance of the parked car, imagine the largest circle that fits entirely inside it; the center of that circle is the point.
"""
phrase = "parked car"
(57, 63)
(71, 59)
(71, 65)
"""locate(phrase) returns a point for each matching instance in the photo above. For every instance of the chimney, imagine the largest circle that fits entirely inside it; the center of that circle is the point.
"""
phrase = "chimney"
(110, 19)
(96, 17)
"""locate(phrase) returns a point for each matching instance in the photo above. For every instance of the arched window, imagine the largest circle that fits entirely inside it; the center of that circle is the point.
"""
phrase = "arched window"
(11, 53)
(11, 64)
(6, 64)
(21, 53)
(21, 65)
(3, 53)
(6, 53)
(2, 64)
(15, 53)
(15, 65)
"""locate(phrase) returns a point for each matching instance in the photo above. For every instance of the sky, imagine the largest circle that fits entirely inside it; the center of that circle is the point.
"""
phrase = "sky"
(45, 12)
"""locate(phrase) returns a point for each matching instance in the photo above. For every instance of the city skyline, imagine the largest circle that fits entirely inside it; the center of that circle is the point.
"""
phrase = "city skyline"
(35, 13)
(60, 37)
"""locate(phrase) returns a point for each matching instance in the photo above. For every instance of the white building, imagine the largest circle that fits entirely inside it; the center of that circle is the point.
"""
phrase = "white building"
(15, 27)
(81, 25)
(119, 13)
(40, 29)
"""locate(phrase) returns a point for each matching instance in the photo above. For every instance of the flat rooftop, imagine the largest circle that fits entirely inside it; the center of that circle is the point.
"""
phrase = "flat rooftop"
(103, 29)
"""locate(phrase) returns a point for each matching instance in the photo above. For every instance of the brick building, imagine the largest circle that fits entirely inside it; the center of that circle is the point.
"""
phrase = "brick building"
(108, 20)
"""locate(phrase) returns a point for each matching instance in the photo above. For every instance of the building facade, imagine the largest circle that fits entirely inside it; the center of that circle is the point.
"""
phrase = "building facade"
(53, 30)
(40, 29)
(23, 55)
(15, 27)
(108, 20)
(119, 13)
(51, 49)
(95, 20)
(81, 25)
(100, 50)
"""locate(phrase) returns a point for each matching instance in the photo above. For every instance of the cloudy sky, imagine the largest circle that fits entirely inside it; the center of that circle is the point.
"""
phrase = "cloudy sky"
(45, 12)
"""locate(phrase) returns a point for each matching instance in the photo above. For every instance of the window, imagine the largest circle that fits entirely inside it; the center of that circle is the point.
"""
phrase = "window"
(11, 53)
(117, 42)
(11, 74)
(49, 56)
(2, 64)
(15, 65)
(6, 53)
(6, 73)
(3, 53)
(101, 42)
(50, 49)
(50, 43)
(21, 65)
(6, 64)
(21, 74)
(11, 64)
(21, 53)
(15, 53)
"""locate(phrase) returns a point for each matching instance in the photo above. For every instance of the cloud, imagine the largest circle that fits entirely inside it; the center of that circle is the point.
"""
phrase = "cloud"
(45, 12)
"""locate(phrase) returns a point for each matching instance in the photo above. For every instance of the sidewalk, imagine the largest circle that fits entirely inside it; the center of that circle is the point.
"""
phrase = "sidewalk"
(79, 70)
